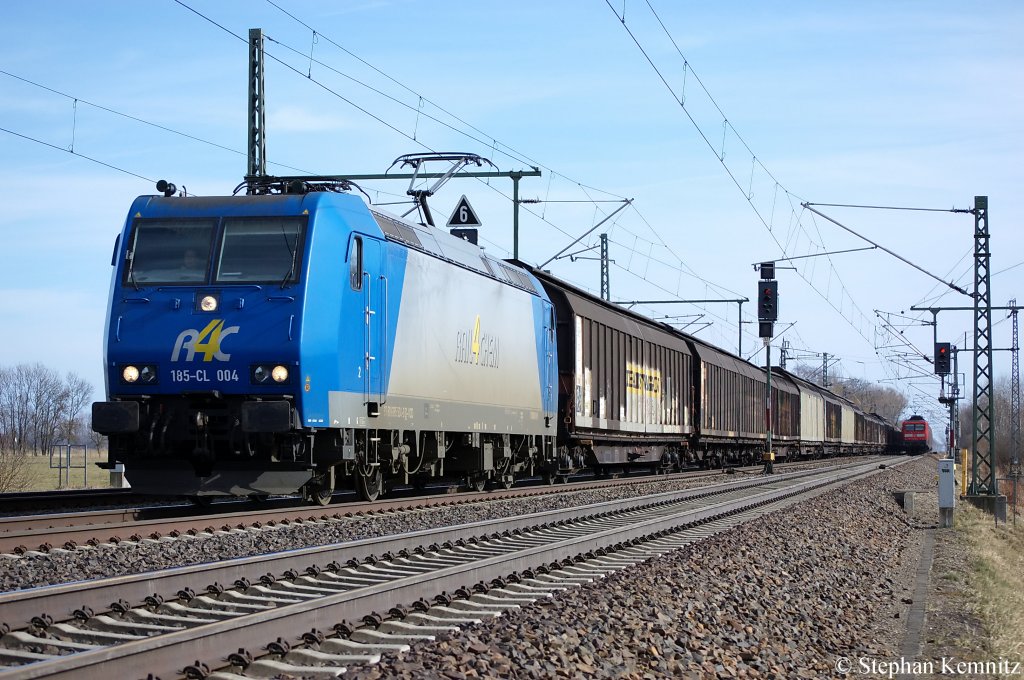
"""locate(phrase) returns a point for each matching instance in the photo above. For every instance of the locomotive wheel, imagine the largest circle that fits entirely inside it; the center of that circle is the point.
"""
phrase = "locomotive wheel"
(317, 493)
(319, 496)
(370, 483)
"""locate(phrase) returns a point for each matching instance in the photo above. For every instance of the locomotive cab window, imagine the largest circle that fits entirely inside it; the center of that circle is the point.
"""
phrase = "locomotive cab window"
(355, 264)
(169, 252)
(260, 251)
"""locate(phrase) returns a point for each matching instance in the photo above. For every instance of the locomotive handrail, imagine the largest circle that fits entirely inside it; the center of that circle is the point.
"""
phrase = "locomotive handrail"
(384, 335)
(367, 382)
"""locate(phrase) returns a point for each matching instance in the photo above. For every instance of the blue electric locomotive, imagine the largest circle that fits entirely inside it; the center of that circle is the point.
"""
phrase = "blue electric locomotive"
(293, 339)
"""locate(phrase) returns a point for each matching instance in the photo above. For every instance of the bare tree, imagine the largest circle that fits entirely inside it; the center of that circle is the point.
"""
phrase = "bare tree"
(47, 395)
(13, 471)
(15, 409)
(97, 440)
(38, 408)
(77, 394)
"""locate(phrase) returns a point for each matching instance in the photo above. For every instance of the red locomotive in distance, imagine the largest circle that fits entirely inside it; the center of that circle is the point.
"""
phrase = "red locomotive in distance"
(917, 436)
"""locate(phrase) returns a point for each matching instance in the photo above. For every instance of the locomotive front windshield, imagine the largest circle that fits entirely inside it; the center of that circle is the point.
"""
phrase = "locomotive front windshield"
(248, 250)
(170, 251)
(259, 250)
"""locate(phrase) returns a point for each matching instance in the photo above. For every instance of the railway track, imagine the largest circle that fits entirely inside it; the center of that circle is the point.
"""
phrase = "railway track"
(315, 611)
(29, 501)
(68, 531)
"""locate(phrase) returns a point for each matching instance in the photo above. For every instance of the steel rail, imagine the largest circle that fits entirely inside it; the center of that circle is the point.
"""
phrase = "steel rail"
(166, 654)
(60, 601)
(18, 534)
(17, 500)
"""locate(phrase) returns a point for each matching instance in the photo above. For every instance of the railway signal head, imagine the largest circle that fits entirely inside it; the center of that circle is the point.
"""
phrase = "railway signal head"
(768, 300)
(942, 358)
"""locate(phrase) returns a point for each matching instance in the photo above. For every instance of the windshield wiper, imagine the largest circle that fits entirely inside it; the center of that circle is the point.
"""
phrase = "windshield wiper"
(131, 270)
(294, 252)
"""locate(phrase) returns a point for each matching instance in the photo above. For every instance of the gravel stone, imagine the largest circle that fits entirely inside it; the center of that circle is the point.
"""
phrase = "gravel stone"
(105, 560)
(781, 597)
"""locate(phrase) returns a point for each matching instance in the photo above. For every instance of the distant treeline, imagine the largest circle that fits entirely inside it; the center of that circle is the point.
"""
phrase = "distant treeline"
(40, 408)
(871, 397)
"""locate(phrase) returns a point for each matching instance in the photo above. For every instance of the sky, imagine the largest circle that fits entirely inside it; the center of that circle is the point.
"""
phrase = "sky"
(718, 120)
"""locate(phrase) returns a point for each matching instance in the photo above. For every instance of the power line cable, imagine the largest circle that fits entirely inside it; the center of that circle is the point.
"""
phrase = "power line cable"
(308, 76)
(80, 155)
(755, 162)
(518, 156)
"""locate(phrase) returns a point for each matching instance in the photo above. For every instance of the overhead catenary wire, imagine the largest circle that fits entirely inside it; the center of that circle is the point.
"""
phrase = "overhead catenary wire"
(511, 152)
(307, 75)
(79, 155)
(881, 247)
(79, 100)
(680, 101)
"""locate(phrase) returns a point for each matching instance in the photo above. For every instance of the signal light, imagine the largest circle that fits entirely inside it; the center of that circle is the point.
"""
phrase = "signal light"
(768, 300)
(942, 358)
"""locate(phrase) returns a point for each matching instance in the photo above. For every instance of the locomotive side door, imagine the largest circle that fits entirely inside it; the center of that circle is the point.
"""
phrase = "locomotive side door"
(375, 285)
(549, 357)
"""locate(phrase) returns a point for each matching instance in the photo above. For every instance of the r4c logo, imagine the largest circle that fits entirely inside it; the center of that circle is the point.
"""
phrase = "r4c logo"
(206, 341)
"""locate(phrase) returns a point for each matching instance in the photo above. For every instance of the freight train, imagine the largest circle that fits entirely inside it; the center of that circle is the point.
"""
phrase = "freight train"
(297, 339)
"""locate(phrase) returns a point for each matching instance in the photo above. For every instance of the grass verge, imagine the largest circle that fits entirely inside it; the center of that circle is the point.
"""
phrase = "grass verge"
(996, 577)
(33, 472)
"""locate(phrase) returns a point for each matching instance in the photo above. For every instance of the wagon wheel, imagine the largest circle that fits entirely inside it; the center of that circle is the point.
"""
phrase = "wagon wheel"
(548, 478)
(319, 490)
(370, 482)
(504, 475)
(320, 496)
(477, 482)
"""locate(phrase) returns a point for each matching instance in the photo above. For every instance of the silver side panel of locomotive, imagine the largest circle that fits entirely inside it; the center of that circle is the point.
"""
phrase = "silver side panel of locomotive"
(465, 358)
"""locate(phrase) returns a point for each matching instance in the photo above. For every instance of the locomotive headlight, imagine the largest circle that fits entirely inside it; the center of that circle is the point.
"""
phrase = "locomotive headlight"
(208, 303)
(263, 374)
(147, 374)
(143, 374)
